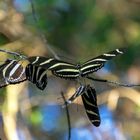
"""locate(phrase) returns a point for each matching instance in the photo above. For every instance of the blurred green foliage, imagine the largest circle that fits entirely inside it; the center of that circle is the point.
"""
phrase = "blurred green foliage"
(35, 117)
(85, 29)
(3, 39)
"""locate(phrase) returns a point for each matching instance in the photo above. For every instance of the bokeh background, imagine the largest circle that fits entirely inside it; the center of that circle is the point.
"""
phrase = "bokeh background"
(76, 31)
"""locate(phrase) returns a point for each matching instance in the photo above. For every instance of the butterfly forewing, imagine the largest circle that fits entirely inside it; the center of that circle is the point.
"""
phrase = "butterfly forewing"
(11, 72)
(71, 71)
(97, 63)
(90, 104)
(59, 68)
(44, 62)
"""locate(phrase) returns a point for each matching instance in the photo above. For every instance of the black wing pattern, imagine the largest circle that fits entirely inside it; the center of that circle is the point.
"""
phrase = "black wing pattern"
(11, 72)
(97, 63)
(90, 104)
(37, 75)
(59, 68)
(72, 71)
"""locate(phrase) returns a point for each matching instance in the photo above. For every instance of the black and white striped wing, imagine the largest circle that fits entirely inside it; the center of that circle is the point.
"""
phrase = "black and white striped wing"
(41, 61)
(59, 68)
(65, 70)
(37, 75)
(97, 63)
(77, 93)
(11, 72)
(90, 104)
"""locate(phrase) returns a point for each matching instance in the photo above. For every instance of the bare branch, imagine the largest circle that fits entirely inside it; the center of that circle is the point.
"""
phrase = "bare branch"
(112, 82)
(68, 116)
(41, 33)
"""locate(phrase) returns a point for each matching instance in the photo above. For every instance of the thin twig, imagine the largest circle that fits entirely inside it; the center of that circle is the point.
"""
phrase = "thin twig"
(68, 116)
(33, 11)
(41, 32)
(112, 82)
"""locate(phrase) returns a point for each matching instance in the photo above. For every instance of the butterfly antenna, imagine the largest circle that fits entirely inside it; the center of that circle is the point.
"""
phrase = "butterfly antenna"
(13, 53)
(112, 82)
(66, 58)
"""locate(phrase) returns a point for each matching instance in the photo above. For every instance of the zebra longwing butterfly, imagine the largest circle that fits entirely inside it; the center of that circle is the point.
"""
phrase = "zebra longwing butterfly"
(89, 99)
(72, 71)
(36, 70)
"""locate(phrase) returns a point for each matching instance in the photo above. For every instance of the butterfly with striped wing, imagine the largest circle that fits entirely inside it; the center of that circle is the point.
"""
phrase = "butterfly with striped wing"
(37, 67)
(67, 70)
(89, 99)
(90, 103)
(12, 72)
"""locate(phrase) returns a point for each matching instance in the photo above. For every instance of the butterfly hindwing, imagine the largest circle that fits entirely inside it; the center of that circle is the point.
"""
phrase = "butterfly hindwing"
(37, 75)
(90, 104)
